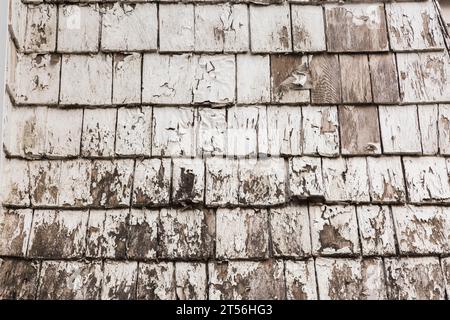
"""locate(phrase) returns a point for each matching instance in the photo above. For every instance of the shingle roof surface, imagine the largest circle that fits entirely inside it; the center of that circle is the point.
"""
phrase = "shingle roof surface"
(226, 150)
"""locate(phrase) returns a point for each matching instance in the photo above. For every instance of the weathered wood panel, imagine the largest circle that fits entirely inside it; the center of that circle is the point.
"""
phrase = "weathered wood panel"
(308, 29)
(355, 79)
(320, 131)
(424, 77)
(270, 28)
(386, 179)
(356, 27)
(221, 28)
(376, 230)
(360, 131)
(400, 131)
(428, 121)
(414, 26)
(325, 79)
(290, 78)
(334, 230)
(384, 78)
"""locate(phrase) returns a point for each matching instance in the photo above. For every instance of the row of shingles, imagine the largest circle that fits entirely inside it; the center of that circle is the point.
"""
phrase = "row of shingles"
(106, 280)
(356, 86)
(222, 182)
(295, 231)
(247, 131)
(227, 27)
(321, 278)
(164, 79)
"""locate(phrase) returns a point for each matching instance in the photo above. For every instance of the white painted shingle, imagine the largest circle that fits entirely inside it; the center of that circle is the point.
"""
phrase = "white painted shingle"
(130, 27)
(221, 28)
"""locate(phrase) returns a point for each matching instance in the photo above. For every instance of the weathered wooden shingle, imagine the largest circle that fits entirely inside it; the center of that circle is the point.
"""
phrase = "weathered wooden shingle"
(134, 131)
(18, 279)
(246, 280)
(130, 27)
(308, 29)
(346, 179)
(99, 132)
(70, 280)
(186, 234)
(244, 124)
(152, 179)
(44, 182)
(422, 230)
(305, 178)
(376, 230)
(86, 80)
(334, 230)
(142, 242)
(360, 130)
(79, 28)
(426, 179)
(111, 182)
(119, 280)
(414, 26)
(424, 77)
(284, 132)
(355, 79)
(107, 234)
(37, 79)
(253, 78)
(414, 278)
(320, 131)
(242, 234)
(211, 132)
(156, 281)
(176, 27)
(384, 78)
(400, 130)
(15, 228)
(348, 279)
(289, 227)
(173, 132)
(215, 79)
(63, 137)
(444, 129)
(58, 234)
(188, 180)
(191, 280)
(74, 183)
(356, 27)
(24, 131)
(300, 280)
(325, 79)
(262, 182)
(428, 122)
(270, 28)
(127, 78)
(386, 179)
(222, 182)
(168, 79)
(221, 28)
(290, 79)
(41, 29)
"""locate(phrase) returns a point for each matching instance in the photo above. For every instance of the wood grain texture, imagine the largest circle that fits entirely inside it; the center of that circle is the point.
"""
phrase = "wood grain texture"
(383, 73)
(355, 79)
(360, 133)
(356, 28)
(325, 79)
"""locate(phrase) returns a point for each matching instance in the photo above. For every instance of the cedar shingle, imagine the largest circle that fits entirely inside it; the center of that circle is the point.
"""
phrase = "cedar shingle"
(356, 27)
